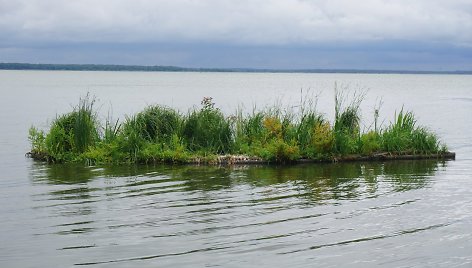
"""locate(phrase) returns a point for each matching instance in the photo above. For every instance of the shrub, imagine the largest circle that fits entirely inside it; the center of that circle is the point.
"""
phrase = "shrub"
(273, 127)
(174, 153)
(279, 151)
(37, 140)
(370, 143)
(323, 139)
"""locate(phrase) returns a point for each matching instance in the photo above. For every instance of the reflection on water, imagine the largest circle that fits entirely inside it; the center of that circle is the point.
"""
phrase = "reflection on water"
(324, 181)
(305, 185)
(122, 214)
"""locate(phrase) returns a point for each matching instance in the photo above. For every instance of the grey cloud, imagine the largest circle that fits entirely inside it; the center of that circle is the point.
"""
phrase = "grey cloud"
(367, 34)
(253, 22)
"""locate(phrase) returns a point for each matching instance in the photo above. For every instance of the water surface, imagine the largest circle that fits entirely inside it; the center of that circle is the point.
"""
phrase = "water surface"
(393, 214)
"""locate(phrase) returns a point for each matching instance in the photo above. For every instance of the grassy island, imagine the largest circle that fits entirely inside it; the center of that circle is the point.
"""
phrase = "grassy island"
(161, 134)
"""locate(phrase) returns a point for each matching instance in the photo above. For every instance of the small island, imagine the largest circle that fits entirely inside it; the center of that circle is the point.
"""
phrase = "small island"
(204, 135)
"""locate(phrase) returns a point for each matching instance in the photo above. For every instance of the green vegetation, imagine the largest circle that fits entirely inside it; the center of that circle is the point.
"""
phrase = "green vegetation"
(207, 130)
(162, 134)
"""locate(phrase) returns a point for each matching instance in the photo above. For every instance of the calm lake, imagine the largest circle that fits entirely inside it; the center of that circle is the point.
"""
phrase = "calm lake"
(393, 214)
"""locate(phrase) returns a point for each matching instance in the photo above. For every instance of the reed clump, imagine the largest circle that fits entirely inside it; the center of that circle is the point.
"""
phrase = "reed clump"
(207, 130)
(70, 134)
(404, 136)
(205, 134)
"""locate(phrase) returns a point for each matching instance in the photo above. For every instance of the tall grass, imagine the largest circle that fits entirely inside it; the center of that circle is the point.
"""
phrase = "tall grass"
(347, 122)
(160, 133)
(404, 136)
(86, 125)
(252, 128)
(309, 130)
(157, 123)
(111, 130)
(131, 140)
(73, 133)
(207, 130)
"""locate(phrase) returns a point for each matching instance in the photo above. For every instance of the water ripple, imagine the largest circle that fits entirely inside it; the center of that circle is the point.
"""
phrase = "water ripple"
(186, 214)
(365, 239)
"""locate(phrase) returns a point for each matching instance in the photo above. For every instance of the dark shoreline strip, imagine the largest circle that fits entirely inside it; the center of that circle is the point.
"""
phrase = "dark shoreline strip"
(348, 158)
(246, 160)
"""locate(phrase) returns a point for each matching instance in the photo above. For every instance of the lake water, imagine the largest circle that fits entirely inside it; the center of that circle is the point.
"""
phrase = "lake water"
(393, 214)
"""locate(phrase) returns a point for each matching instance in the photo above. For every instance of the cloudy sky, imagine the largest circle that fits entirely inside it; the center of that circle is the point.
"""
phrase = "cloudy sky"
(292, 34)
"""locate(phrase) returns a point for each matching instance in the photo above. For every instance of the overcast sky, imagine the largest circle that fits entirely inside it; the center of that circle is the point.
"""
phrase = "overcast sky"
(367, 34)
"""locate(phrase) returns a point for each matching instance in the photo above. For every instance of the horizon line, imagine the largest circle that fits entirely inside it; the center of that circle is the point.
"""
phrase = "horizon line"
(170, 68)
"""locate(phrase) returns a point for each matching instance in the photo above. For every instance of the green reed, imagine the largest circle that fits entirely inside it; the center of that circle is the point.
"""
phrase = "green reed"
(163, 134)
(207, 130)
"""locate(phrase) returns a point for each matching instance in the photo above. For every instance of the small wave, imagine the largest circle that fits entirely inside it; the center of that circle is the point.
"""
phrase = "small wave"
(365, 239)
(467, 99)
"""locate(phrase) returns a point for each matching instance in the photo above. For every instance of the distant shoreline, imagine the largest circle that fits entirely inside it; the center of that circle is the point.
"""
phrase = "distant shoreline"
(159, 68)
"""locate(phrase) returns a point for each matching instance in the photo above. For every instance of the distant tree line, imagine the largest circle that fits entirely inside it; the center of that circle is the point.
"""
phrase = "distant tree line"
(159, 68)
